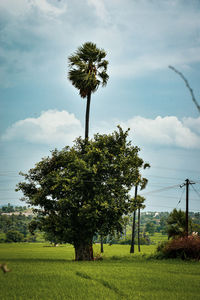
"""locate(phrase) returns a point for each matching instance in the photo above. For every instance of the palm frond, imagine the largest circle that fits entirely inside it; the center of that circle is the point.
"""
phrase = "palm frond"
(87, 68)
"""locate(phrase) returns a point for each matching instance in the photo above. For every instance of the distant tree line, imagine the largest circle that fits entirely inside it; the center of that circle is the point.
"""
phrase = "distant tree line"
(15, 228)
(10, 208)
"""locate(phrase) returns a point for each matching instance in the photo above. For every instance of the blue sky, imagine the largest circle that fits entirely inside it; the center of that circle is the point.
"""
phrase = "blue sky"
(41, 110)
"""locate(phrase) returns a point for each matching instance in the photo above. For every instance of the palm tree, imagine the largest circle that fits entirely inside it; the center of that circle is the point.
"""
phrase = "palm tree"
(87, 71)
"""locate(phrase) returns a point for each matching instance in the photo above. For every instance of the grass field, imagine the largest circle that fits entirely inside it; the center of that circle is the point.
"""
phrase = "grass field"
(40, 272)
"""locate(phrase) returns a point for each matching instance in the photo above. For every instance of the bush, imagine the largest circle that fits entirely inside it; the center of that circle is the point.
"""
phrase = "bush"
(14, 236)
(184, 248)
(2, 240)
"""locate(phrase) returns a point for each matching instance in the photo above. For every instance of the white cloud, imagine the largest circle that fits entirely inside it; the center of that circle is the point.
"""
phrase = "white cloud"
(15, 7)
(51, 127)
(193, 124)
(169, 131)
(48, 8)
(61, 128)
(100, 9)
(140, 37)
(20, 7)
(151, 62)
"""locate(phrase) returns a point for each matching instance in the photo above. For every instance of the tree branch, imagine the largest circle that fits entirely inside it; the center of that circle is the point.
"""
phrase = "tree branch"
(188, 86)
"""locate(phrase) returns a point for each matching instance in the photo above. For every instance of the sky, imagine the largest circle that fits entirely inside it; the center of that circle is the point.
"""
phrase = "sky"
(40, 110)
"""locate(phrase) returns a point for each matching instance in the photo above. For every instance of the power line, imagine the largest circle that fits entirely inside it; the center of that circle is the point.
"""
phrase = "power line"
(196, 191)
(173, 169)
(165, 177)
(180, 198)
(161, 190)
(163, 206)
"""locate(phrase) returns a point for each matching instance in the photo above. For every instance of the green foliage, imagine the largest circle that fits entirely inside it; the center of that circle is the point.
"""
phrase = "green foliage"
(176, 223)
(14, 236)
(11, 209)
(87, 68)
(139, 201)
(150, 227)
(184, 248)
(7, 209)
(83, 190)
(14, 222)
(48, 236)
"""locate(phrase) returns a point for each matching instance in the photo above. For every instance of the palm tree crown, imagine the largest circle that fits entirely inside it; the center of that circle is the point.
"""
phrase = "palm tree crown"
(87, 69)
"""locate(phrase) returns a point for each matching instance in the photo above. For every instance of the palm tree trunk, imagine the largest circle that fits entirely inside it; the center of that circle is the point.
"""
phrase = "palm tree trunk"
(133, 234)
(139, 229)
(133, 226)
(87, 116)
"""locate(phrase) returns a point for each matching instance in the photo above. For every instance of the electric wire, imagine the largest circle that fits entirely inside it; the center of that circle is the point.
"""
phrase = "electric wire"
(180, 198)
(196, 191)
(161, 190)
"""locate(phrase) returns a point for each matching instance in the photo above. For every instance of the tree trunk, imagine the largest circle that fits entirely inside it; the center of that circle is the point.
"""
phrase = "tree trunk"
(101, 244)
(84, 252)
(87, 116)
(133, 234)
(133, 226)
(139, 229)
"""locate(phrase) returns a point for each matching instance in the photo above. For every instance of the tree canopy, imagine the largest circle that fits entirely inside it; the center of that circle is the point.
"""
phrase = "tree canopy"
(87, 68)
(83, 190)
(176, 223)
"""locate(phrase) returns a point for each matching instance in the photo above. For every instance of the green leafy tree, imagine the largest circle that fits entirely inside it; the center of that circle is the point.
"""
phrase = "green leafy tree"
(8, 209)
(87, 71)
(176, 224)
(78, 194)
(52, 238)
(125, 222)
(163, 224)
(150, 227)
(14, 236)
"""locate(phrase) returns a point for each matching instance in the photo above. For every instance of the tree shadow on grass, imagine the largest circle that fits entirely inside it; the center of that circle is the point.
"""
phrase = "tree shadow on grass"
(102, 282)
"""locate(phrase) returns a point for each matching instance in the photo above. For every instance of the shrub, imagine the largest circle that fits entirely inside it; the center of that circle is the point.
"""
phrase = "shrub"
(14, 236)
(184, 248)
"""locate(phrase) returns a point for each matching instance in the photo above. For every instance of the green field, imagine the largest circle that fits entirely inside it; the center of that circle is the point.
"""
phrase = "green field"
(43, 272)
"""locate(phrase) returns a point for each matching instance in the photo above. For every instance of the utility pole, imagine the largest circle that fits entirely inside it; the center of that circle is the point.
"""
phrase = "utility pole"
(187, 183)
(187, 209)
(133, 226)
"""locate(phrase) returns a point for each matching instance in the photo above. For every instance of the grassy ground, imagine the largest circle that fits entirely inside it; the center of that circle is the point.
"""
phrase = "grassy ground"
(40, 272)
(158, 237)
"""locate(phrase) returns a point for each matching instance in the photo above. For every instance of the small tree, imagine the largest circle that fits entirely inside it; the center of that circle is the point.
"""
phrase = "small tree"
(14, 236)
(83, 190)
(150, 227)
(176, 224)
